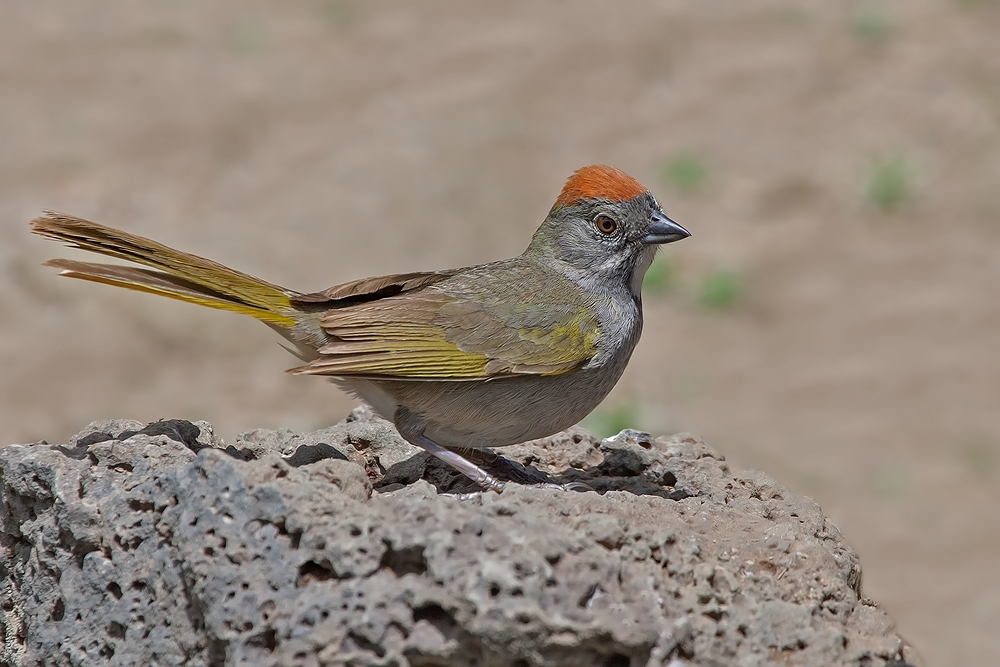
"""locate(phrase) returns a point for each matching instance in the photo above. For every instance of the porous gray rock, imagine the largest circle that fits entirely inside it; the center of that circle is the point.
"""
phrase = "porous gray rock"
(160, 545)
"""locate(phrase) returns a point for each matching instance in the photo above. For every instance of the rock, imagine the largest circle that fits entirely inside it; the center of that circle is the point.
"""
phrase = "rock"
(160, 545)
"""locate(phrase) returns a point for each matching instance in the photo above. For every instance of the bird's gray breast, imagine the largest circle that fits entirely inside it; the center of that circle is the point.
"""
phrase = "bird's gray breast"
(620, 318)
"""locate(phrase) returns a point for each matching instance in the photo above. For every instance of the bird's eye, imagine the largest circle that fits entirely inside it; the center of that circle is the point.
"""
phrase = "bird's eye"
(606, 224)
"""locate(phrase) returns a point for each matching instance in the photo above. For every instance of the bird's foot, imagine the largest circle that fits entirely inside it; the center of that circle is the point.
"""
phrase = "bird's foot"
(505, 469)
(490, 471)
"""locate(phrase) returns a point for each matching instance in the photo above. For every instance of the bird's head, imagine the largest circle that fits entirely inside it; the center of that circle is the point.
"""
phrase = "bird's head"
(604, 229)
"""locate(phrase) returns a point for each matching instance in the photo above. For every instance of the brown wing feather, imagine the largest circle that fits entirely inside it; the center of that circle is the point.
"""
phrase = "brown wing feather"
(369, 289)
(475, 326)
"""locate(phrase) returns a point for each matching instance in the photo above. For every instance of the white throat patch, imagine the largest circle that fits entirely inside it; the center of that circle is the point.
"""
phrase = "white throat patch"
(639, 272)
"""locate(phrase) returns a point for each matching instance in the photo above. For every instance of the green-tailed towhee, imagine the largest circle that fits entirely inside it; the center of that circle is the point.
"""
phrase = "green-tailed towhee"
(459, 360)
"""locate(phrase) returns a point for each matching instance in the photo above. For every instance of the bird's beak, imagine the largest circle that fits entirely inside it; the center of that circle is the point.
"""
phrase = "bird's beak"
(663, 230)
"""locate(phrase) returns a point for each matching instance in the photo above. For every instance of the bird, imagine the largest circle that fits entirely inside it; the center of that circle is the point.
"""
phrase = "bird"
(463, 360)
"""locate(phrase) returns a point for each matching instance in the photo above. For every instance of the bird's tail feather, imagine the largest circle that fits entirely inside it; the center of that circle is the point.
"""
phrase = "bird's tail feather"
(176, 274)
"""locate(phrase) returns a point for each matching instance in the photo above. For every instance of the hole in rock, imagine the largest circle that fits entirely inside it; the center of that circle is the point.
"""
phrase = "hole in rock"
(437, 616)
(409, 560)
(312, 571)
(354, 642)
(593, 592)
(58, 610)
(116, 630)
(141, 505)
(266, 639)
(217, 651)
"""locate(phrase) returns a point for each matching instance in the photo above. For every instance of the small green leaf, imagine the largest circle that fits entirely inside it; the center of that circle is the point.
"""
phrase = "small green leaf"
(890, 184)
(340, 13)
(981, 456)
(686, 173)
(250, 37)
(720, 289)
(605, 422)
(871, 21)
(891, 482)
(660, 276)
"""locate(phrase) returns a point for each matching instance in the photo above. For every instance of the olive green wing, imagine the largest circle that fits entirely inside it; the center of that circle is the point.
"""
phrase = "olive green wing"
(480, 323)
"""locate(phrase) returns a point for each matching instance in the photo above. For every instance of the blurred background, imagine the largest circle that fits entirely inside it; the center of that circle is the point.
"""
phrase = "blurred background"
(834, 321)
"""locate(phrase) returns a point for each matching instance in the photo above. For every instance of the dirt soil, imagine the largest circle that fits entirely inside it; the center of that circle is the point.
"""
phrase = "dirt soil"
(834, 321)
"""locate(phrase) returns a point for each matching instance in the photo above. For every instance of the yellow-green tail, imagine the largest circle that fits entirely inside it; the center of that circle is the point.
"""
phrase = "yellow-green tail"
(176, 274)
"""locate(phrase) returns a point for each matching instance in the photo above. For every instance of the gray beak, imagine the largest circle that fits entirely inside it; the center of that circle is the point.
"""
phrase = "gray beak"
(663, 230)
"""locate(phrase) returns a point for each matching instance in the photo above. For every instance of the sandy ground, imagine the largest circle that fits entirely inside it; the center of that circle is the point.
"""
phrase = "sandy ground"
(838, 164)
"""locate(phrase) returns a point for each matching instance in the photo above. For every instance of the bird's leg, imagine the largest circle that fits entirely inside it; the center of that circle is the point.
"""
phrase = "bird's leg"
(411, 427)
(480, 456)
(483, 466)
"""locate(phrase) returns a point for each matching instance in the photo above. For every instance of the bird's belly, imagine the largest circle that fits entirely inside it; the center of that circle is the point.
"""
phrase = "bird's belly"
(503, 411)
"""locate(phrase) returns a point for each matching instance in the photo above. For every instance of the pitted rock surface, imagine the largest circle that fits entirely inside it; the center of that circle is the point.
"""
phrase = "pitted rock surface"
(160, 545)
